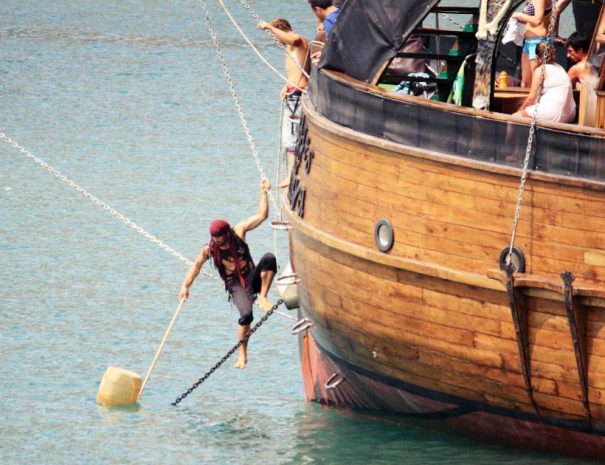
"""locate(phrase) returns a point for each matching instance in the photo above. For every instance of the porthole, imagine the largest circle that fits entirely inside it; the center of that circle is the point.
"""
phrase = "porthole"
(516, 259)
(383, 235)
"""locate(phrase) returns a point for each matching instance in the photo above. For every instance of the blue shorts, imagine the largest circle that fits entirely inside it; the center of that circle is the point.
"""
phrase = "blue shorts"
(530, 45)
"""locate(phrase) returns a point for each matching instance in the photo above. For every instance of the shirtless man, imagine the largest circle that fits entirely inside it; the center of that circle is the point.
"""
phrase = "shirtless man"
(577, 51)
(297, 49)
(231, 257)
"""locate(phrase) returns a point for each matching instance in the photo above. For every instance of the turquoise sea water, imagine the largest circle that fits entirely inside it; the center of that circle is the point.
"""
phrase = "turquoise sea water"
(127, 99)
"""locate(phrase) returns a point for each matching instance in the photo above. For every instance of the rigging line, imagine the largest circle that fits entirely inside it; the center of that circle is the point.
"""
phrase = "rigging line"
(279, 44)
(235, 98)
(96, 200)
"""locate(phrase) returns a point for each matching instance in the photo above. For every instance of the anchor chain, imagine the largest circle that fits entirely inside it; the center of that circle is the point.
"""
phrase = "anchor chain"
(530, 140)
(235, 97)
(227, 355)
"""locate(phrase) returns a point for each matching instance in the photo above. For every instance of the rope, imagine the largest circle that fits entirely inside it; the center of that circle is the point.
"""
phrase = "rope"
(530, 139)
(227, 355)
(236, 101)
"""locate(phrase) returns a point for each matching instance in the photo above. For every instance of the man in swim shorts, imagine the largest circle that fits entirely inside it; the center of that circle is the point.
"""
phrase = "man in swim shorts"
(243, 279)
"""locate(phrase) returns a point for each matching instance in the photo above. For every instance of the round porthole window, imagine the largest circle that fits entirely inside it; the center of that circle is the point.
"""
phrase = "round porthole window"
(516, 259)
(383, 235)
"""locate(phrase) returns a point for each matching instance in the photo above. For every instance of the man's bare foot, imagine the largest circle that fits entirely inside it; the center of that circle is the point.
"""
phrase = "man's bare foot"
(265, 304)
(284, 183)
(241, 362)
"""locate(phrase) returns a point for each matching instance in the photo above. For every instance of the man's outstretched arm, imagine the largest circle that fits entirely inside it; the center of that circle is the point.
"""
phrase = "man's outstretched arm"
(194, 271)
(261, 215)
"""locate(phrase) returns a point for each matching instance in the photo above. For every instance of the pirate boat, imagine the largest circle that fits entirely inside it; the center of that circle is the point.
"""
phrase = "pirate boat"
(442, 275)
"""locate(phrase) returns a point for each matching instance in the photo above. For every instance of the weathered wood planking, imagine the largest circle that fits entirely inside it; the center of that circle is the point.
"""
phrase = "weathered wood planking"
(438, 212)
(412, 328)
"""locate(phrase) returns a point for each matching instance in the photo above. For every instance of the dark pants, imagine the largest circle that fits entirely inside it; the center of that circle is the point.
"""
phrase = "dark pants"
(585, 15)
(244, 298)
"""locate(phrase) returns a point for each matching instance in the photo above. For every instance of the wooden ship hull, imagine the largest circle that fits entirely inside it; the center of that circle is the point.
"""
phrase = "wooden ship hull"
(430, 326)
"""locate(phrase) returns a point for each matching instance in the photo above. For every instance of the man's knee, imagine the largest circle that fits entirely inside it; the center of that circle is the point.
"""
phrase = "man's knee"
(245, 319)
(268, 263)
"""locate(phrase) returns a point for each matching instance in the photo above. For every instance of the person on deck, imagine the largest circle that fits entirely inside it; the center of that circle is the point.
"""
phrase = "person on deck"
(326, 12)
(296, 60)
(585, 13)
(556, 102)
(536, 17)
(231, 257)
(577, 51)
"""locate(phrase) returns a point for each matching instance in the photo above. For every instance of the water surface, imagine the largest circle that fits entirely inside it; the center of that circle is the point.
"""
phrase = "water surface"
(127, 99)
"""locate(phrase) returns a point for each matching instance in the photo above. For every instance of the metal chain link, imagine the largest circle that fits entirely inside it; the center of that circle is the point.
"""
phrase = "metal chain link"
(98, 201)
(453, 21)
(236, 101)
(227, 355)
(530, 139)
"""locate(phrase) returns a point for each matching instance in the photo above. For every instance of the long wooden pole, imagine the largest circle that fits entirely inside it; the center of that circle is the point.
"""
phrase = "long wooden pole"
(159, 351)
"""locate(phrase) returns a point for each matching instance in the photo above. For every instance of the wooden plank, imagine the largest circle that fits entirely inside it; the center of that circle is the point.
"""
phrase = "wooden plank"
(571, 198)
(573, 253)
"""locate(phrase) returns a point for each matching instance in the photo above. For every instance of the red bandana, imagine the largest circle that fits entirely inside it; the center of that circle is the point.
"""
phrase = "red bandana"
(218, 228)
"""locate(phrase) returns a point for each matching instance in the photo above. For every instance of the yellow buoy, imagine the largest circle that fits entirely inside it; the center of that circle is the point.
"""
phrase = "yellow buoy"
(119, 387)
(122, 387)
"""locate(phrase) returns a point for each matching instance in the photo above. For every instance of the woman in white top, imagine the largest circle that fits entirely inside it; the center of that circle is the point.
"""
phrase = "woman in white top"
(556, 97)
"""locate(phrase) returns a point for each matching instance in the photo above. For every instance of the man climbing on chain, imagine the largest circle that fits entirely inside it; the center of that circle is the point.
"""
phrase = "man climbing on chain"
(231, 257)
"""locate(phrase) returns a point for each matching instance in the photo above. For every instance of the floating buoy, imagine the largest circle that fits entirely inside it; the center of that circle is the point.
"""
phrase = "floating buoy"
(287, 287)
(122, 387)
(119, 387)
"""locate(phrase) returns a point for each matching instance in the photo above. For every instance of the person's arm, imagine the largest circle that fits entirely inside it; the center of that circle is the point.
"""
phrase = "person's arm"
(534, 20)
(194, 271)
(575, 73)
(533, 91)
(561, 5)
(261, 215)
(290, 37)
